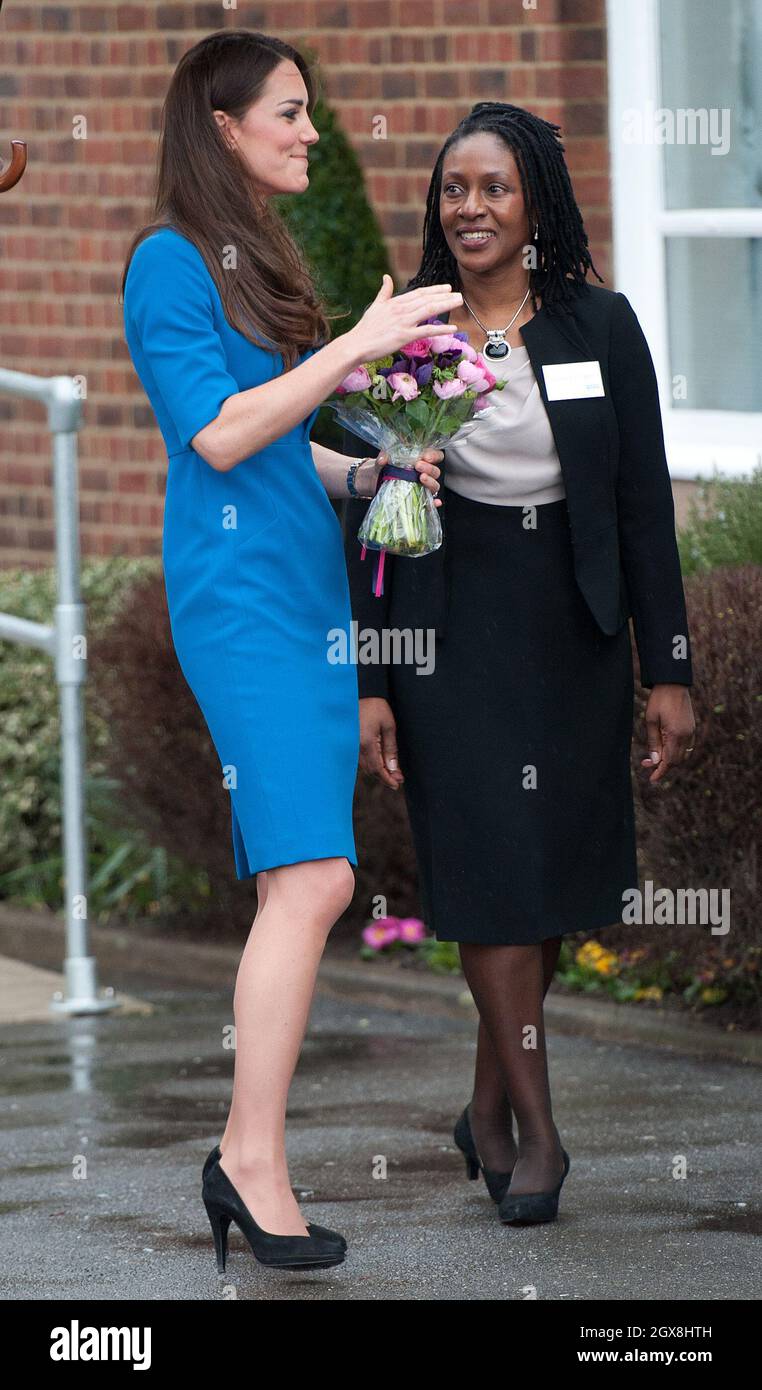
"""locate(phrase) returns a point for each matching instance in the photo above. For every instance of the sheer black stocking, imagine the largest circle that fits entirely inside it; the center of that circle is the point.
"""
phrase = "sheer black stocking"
(509, 984)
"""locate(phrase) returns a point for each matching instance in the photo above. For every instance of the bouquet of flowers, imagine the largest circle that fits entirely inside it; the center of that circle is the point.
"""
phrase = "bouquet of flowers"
(430, 393)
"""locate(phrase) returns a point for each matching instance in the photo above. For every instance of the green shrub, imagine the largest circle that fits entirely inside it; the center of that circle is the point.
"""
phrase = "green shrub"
(724, 525)
(125, 872)
(700, 827)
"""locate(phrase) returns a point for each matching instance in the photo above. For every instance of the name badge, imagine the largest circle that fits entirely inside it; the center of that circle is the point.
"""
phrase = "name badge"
(566, 381)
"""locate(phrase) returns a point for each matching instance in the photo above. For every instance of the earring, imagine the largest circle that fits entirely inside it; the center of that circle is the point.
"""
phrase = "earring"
(536, 230)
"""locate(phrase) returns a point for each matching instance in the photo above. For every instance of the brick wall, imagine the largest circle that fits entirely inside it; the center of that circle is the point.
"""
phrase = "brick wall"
(65, 228)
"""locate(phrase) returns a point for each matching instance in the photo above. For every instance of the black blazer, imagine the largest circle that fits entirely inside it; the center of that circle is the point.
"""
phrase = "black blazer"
(618, 494)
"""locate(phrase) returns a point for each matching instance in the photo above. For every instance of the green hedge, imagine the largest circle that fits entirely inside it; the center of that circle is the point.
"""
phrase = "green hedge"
(126, 873)
(724, 525)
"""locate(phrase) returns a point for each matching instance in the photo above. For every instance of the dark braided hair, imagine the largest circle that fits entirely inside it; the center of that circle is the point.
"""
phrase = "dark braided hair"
(562, 247)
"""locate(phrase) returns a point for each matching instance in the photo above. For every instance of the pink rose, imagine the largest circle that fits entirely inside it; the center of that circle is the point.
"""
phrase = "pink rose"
(420, 347)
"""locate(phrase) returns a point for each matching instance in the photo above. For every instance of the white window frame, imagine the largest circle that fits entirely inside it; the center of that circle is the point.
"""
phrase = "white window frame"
(698, 442)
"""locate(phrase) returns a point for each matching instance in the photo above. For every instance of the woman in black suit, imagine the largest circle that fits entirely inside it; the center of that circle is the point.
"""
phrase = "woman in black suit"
(514, 751)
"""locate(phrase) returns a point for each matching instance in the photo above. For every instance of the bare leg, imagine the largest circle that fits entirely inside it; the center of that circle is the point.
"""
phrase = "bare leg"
(490, 1113)
(261, 899)
(273, 994)
(508, 985)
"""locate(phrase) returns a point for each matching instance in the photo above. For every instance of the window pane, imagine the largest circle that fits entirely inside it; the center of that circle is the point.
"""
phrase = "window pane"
(714, 290)
(711, 59)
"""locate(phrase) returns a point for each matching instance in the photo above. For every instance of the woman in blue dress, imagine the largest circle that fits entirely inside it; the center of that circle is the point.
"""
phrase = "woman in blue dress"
(228, 338)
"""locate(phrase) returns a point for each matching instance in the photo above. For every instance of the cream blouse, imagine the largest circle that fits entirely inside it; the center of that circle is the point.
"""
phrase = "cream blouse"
(510, 457)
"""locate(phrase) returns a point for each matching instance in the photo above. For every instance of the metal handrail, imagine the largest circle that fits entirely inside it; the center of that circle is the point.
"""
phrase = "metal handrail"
(66, 642)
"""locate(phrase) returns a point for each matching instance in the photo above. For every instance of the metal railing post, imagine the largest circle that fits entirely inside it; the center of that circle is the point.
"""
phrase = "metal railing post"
(66, 642)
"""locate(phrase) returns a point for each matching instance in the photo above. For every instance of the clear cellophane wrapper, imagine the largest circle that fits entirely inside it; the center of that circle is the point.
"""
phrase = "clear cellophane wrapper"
(402, 518)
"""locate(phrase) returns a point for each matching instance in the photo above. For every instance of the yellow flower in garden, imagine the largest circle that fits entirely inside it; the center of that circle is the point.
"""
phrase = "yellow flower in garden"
(589, 953)
(650, 992)
(607, 964)
(713, 996)
(593, 956)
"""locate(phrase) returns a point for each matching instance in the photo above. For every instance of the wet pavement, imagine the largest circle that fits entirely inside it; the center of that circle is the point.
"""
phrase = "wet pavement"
(106, 1123)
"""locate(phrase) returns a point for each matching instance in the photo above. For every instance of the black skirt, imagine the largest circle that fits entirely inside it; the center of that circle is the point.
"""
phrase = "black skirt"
(516, 748)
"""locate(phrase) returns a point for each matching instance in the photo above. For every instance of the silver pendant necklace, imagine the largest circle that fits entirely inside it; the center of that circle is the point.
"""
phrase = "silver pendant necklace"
(497, 346)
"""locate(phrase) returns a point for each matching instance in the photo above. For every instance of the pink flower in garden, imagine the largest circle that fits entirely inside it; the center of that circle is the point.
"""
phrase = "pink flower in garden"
(411, 929)
(447, 390)
(404, 385)
(381, 932)
(420, 347)
(358, 380)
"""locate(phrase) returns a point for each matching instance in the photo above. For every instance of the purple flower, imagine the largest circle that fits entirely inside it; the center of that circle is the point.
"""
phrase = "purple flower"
(422, 374)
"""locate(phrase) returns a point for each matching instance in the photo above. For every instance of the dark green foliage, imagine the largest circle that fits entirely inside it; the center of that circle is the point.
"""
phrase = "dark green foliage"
(337, 230)
(701, 826)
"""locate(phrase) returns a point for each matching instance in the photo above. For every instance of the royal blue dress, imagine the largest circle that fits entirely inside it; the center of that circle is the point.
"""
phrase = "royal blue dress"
(254, 573)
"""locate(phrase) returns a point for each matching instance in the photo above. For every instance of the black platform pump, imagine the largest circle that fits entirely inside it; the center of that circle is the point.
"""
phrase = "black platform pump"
(224, 1204)
(324, 1232)
(497, 1183)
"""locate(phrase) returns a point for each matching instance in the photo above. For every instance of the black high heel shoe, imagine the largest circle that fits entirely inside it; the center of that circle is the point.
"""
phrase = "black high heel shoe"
(497, 1183)
(224, 1204)
(532, 1208)
(324, 1232)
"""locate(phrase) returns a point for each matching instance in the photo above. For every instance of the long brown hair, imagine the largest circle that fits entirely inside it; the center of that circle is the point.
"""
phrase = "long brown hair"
(204, 192)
